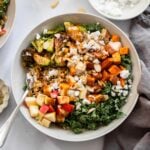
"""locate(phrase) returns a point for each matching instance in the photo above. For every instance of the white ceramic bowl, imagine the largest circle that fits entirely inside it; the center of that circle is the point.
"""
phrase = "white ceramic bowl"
(128, 13)
(9, 23)
(18, 77)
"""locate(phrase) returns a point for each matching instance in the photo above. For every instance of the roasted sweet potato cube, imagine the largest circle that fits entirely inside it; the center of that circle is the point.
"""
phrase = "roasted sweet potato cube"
(105, 76)
(116, 58)
(122, 81)
(72, 70)
(115, 38)
(114, 70)
(113, 79)
(90, 80)
(124, 50)
(106, 63)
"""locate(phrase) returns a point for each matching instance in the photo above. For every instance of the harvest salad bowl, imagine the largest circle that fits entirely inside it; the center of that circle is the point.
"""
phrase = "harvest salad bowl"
(84, 75)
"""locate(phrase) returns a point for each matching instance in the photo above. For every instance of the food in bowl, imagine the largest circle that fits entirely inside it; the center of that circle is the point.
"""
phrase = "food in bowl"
(3, 17)
(81, 76)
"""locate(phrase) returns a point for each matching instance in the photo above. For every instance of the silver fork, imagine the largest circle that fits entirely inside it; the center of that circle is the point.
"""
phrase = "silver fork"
(4, 130)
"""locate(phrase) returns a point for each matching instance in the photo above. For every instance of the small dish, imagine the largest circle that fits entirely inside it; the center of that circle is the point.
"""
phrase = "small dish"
(127, 13)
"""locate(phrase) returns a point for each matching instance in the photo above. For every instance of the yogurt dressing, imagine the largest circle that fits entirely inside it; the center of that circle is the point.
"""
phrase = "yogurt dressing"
(116, 7)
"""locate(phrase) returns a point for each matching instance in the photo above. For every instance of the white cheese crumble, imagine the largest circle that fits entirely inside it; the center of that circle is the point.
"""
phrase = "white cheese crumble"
(85, 101)
(124, 74)
(80, 67)
(57, 35)
(116, 7)
(38, 36)
(45, 31)
(52, 73)
(115, 45)
(91, 110)
(97, 67)
(73, 51)
(78, 106)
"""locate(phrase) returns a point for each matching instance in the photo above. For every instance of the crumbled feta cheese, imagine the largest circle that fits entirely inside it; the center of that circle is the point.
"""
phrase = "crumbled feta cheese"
(125, 93)
(28, 54)
(75, 58)
(52, 72)
(113, 94)
(45, 31)
(95, 35)
(38, 36)
(76, 78)
(57, 35)
(124, 74)
(76, 93)
(73, 51)
(97, 67)
(55, 85)
(126, 87)
(115, 45)
(91, 110)
(85, 101)
(130, 81)
(71, 92)
(92, 44)
(80, 67)
(102, 42)
(96, 61)
(78, 106)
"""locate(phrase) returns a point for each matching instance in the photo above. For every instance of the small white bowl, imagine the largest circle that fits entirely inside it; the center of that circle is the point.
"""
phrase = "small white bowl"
(18, 77)
(128, 13)
(5, 92)
(9, 23)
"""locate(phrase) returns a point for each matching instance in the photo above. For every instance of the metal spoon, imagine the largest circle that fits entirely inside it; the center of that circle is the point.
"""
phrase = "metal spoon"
(4, 130)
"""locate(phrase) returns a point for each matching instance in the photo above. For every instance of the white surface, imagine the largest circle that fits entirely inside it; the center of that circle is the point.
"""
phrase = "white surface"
(122, 13)
(29, 13)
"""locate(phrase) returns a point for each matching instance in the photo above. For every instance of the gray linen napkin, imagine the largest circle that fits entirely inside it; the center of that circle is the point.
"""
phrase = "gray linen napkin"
(134, 133)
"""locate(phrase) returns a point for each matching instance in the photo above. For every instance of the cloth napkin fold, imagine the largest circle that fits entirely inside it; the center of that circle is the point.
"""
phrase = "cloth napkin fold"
(134, 133)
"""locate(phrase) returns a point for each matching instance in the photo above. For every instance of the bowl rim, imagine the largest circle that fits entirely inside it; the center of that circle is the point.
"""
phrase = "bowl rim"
(37, 126)
(12, 25)
(118, 18)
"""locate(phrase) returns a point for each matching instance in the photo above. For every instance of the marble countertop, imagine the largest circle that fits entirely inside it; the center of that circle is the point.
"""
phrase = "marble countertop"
(29, 13)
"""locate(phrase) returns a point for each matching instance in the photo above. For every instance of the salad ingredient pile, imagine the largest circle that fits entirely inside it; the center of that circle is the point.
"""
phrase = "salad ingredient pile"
(81, 76)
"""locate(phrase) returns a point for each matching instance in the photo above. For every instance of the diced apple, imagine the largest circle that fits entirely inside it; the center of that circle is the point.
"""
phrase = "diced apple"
(47, 89)
(45, 122)
(60, 118)
(40, 116)
(62, 112)
(34, 110)
(63, 99)
(51, 116)
(44, 109)
(40, 99)
(49, 101)
(30, 101)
